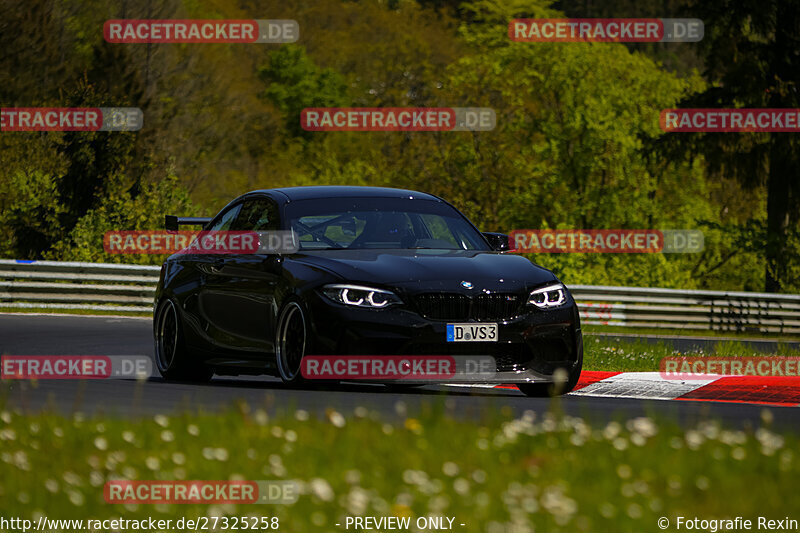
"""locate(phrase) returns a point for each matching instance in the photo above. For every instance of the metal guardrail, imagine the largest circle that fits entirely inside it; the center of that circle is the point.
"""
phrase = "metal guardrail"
(56, 285)
(639, 307)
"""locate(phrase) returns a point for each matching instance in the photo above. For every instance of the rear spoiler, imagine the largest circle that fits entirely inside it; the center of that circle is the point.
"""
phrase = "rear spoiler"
(171, 222)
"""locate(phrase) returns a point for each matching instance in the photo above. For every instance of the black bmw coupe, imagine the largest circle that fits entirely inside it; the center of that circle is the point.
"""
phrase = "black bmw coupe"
(376, 272)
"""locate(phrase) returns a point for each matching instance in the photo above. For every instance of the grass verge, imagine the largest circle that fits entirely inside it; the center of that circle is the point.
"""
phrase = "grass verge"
(685, 332)
(497, 474)
(601, 353)
(47, 310)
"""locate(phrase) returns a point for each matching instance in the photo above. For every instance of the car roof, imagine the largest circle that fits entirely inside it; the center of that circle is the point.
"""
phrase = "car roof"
(345, 191)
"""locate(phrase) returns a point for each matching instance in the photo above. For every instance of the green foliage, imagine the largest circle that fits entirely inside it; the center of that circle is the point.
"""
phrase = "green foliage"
(573, 146)
(752, 60)
(295, 82)
(123, 210)
(31, 222)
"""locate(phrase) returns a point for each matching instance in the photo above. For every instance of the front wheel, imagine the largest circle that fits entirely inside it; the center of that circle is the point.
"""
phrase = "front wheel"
(564, 381)
(172, 358)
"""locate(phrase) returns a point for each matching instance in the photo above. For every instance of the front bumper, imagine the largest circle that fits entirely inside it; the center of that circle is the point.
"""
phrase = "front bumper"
(530, 347)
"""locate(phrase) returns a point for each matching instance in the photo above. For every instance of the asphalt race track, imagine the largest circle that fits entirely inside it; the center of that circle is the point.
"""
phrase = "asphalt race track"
(83, 335)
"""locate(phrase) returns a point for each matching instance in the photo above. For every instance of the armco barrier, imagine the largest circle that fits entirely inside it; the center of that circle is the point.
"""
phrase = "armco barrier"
(640, 307)
(58, 285)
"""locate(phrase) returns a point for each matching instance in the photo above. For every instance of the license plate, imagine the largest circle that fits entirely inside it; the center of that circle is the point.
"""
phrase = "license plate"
(471, 332)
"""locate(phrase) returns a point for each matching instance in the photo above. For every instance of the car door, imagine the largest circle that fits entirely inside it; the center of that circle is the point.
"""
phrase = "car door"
(217, 316)
(247, 283)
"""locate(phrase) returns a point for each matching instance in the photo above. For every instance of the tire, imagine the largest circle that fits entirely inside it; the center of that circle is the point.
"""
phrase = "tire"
(546, 390)
(291, 341)
(172, 357)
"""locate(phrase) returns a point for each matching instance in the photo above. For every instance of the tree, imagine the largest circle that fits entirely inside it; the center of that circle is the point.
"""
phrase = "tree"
(752, 57)
(295, 83)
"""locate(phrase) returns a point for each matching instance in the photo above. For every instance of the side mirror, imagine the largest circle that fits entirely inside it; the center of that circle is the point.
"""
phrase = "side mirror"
(498, 241)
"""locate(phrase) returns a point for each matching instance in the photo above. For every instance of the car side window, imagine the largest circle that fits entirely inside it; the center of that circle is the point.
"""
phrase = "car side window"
(225, 221)
(258, 214)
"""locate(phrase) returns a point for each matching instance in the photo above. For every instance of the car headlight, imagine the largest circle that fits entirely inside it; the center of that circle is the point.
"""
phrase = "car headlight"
(359, 296)
(547, 297)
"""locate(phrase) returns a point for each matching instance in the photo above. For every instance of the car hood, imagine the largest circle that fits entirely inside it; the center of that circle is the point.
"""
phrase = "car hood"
(430, 269)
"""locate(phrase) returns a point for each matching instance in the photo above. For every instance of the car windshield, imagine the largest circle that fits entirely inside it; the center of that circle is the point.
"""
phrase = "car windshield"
(381, 223)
